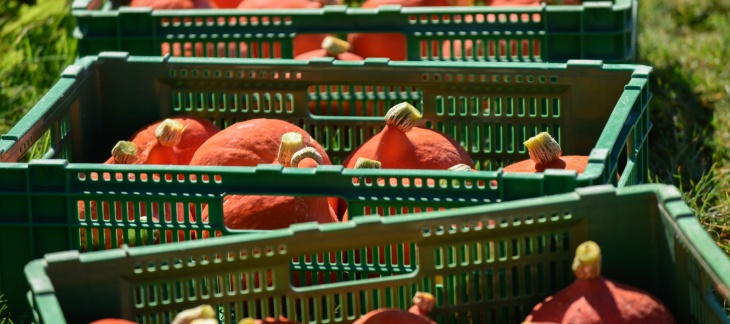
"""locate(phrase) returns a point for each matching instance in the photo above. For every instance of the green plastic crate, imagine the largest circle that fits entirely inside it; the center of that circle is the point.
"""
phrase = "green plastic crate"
(593, 109)
(483, 274)
(595, 30)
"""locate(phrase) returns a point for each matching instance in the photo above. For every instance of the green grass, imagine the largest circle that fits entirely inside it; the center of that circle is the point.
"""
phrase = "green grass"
(37, 44)
(686, 41)
(4, 314)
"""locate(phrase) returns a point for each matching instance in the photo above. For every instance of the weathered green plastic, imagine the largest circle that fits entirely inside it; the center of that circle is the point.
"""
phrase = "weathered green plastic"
(595, 30)
(594, 109)
(479, 273)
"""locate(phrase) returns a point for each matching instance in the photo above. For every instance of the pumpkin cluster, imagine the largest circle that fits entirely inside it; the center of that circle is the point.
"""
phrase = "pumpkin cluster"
(401, 144)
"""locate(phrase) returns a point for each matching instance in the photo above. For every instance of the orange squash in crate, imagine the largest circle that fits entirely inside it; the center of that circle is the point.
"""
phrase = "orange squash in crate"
(338, 49)
(264, 141)
(402, 145)
(388, 45)
(171, 4)
(545, 153)
(593, 299)
(418, 313)
(302, 43)
(171, 141)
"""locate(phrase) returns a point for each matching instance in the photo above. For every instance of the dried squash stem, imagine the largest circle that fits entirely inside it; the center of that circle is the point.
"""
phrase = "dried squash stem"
(307, 152)
(335, 46)
(290, 143)
(587, 261)
(365, 163)
(543, 148)
(403, 116)
(189, 315)
(169, 132)
(461, 167)
(124, 152)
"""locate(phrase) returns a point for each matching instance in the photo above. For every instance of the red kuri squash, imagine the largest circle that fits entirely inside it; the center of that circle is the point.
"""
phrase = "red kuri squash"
(388, 45)
(402, 145)
(251, 143)
(302, 43)
(594, 299)
(545, 153)
(169, 141)
(417, 314)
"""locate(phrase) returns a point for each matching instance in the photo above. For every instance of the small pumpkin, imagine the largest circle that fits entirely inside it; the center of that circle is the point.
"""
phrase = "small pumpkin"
(402, 145)
(593, 299)
(338, 49)
(388, 45)
(124, 152)
(331, 47)
(545, 153)
(250, 143)
(417, 314)
(224, 4)
(268, 320)
(171, 141)
(112, 321)
(171, 4)
(302, 43)
(202, 314)
(266, 212)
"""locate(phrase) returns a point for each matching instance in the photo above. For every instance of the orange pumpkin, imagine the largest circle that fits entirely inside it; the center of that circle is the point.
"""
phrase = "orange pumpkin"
(169, 141)
(224, 4)
(251, 143)
(268, 320)
(593, 299)
(112, 321)
(402, 145)
(302, 43)
(417, 314)
(545, 153)
(171, 4)
(388, 45)
(203, 314)
(331, 47)
(337, 48)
